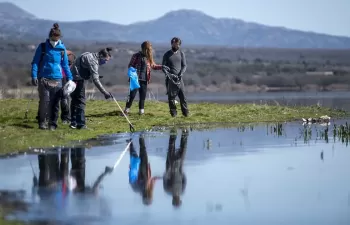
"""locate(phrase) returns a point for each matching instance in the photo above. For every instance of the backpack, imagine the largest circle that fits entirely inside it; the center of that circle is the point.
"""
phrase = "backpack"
(84, 72)
(70, 54)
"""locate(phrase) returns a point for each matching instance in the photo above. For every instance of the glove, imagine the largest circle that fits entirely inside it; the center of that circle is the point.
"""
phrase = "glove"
(108, 95)
(34, 82)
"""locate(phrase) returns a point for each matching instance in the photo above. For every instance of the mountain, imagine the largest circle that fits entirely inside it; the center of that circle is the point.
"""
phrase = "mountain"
(194, 28)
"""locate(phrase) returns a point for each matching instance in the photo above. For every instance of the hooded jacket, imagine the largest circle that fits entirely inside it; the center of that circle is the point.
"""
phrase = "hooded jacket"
(52, 62)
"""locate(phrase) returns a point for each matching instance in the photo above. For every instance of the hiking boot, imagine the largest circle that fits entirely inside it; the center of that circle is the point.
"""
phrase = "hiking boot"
(84, 127)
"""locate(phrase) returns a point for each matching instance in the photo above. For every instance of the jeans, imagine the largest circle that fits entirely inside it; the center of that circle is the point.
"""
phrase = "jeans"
(50, 93)
(78, 105)
(142, 95)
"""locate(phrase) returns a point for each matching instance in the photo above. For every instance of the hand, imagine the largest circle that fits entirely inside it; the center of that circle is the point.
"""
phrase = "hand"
(108, 169)
(108, 95)
(164, 67)
(34, 82)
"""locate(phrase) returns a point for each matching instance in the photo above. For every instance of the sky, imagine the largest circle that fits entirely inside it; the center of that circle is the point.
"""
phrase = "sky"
(322, 16)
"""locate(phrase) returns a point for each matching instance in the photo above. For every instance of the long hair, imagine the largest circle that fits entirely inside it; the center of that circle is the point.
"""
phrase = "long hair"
(146, 48)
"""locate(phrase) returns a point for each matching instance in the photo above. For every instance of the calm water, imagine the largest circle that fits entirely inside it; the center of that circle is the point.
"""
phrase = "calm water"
(242, 176)
(340, 100)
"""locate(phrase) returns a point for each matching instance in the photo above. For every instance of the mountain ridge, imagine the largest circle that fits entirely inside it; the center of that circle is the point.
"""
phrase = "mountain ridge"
(193, 26)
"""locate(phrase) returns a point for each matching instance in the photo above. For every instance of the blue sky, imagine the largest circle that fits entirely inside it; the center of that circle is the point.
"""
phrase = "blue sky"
(324, 16)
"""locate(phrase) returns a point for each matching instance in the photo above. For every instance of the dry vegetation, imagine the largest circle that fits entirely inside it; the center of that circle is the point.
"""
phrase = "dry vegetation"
(209, 68)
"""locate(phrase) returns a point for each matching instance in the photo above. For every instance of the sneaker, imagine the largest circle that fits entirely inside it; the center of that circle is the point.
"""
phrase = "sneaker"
(141, 112)
(173, 115)
(125, 112)
(65, 122)
(73, 126)
(82, 127)
(43, 127)
(52, 128)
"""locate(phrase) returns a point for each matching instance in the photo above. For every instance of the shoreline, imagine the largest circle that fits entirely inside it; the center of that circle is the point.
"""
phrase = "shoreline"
(103, 117)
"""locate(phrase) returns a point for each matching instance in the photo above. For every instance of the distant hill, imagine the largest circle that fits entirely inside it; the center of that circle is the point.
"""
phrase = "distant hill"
(194, 27)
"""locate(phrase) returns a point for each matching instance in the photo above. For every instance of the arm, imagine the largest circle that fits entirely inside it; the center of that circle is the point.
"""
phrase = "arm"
(65, 66)
(183, 64)
(157, 67)
(98, 181)
(133, 60)
(35, 62)
(165, 63)
(96, 78)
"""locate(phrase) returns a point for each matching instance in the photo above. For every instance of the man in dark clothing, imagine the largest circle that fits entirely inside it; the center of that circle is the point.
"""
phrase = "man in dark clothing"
(176, 61)
(174, 179)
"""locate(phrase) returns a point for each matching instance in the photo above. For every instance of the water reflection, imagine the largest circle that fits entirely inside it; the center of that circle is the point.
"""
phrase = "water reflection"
(174, 179)
(261, 174)
(140, 173)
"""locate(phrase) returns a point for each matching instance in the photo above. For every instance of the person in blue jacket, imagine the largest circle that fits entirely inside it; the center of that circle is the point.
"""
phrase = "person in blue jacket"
(47, 68)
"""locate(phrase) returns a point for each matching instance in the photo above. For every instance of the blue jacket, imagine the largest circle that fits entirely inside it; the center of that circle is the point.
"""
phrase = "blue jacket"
(52, 62)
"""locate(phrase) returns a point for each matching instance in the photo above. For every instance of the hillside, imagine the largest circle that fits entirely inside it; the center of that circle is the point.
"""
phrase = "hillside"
(194, 27)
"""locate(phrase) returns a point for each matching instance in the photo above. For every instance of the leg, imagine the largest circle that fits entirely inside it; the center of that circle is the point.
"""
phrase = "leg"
(44, 173)
(143, 171)
(166, 84)
(130, 99)
(78, 167)
(73, 108)
(142, 96)
(81, 105)
(172, 105)
(183, 102)
(64, 109)
(64, 163)
(55, 97)
(44, 101)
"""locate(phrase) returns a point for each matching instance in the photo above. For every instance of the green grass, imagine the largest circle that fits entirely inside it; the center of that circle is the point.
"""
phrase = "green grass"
(103, 118)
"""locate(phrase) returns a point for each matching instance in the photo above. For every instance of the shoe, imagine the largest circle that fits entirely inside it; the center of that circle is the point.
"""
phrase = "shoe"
(84, 127)
(52, 128)
(125, 112)
(65, 122)
(73, 126)
(43, 127)
(173, 115)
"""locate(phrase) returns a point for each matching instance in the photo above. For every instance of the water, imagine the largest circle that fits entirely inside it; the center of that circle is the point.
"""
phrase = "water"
(243, 176)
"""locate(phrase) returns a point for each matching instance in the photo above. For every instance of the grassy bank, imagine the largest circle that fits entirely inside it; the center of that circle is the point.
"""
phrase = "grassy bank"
(103, 118)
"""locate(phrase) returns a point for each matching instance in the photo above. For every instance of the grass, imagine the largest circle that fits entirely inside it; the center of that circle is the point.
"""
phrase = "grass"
(103, 118)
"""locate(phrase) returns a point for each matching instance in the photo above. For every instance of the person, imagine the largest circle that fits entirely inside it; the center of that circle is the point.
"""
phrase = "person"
(140, 174)
(175, 60)
(64, 101)
(174, 179)
(78, 173)
(46, 73)
(86, 67)
(143, 62)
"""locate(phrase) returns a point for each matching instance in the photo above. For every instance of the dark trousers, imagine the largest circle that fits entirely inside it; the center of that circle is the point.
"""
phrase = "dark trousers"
(142, 95)
(77, 105)
(173, 91)
(78, 167)
(50, 93)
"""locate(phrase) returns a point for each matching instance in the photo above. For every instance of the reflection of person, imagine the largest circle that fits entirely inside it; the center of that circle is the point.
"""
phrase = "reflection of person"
(174, 179)
(78, 172)
(140, 175)
(52, 173)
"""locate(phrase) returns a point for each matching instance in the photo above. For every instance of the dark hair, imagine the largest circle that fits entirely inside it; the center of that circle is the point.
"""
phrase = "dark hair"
(176, 40)
(55, 31)
(105, 52)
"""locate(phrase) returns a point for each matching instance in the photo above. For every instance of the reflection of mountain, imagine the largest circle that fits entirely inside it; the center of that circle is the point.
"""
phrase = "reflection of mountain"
(194, 27)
